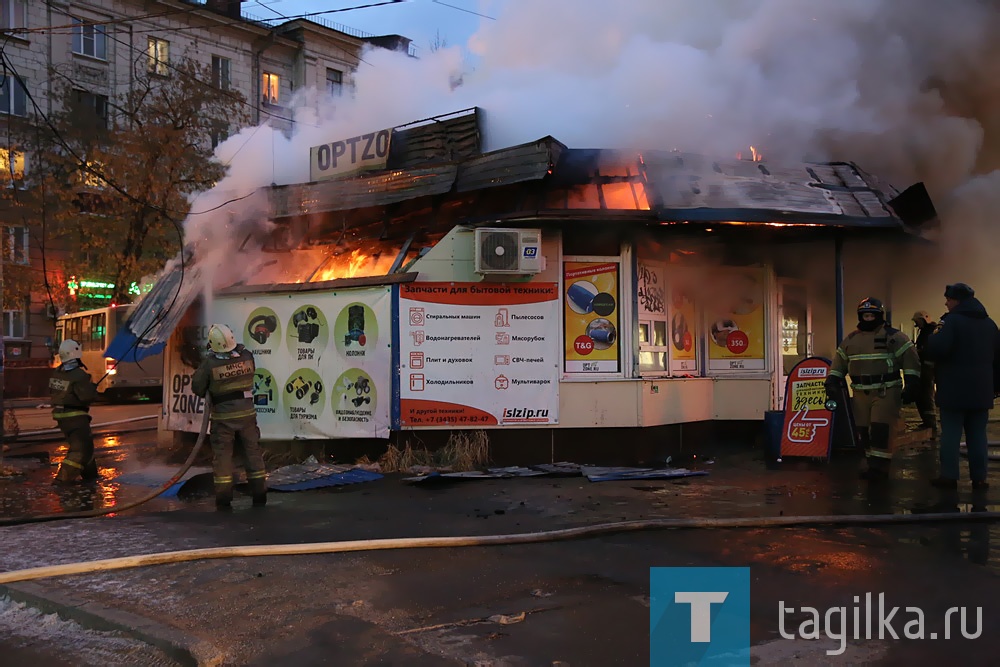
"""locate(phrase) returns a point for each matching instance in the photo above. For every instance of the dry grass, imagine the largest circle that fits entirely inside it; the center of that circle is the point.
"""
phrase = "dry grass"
(464, 451)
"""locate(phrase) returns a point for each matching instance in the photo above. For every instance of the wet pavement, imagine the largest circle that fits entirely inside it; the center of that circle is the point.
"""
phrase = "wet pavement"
(585, 602)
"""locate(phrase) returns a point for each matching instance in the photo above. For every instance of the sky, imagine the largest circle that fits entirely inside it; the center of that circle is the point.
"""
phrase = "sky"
(420, 20)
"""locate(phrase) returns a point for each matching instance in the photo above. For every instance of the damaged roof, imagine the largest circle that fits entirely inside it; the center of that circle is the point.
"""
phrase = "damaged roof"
(665, 186)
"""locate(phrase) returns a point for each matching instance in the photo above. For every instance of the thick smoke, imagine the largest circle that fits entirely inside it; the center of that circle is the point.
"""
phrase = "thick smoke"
(905, 89)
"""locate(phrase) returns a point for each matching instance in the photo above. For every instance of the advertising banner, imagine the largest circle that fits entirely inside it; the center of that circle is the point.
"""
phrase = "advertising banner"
(324, 362)
(736, 322)
(475, 355)
(182, 410)
(349, 156)
(590, 316)
(684, 329)
(808, 425)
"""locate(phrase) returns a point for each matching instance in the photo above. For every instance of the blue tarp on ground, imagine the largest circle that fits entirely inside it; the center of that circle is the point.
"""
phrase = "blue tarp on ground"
(304, 476)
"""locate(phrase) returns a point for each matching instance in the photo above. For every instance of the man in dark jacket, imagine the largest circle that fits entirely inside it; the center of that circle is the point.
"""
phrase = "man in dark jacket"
(963, 349)
(925, 325)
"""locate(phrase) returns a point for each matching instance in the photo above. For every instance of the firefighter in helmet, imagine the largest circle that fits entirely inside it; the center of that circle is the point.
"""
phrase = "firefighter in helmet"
(226, 374)
(873, 356)
(72, 391)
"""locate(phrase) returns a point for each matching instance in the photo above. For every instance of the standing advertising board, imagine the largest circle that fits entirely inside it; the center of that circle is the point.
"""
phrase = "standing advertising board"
(735, 320)
(182, 410)
(474, 354)
(808, 425)
(591, 317)
(324, 360)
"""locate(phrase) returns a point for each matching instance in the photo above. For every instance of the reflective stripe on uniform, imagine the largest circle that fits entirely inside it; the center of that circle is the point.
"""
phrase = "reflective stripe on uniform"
(879, 453)
(911, 373)
(236, 414)
(837, 374)
(869, 387)
(257, 475)
(842, 354)
(69, 413)
(906, 346)
(73, 464)
(870, 357)
(228, 479)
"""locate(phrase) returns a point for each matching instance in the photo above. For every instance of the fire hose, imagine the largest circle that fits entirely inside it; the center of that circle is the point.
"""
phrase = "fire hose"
(114, 509)
(146, 560)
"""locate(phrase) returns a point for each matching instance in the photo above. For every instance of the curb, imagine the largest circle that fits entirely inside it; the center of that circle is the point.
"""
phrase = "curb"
(179, 646)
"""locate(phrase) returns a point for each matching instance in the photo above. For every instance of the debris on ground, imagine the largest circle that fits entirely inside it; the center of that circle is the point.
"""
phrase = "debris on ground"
(564, 469)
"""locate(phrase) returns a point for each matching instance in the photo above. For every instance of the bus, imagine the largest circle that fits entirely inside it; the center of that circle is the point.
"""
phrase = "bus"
(94, 330)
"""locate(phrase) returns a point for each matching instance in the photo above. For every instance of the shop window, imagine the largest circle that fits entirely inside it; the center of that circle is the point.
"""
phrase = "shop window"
(653, 344)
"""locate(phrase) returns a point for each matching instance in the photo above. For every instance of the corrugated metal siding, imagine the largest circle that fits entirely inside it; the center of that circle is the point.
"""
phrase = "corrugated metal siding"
(527, 162)
(449, 140)
(387, 188)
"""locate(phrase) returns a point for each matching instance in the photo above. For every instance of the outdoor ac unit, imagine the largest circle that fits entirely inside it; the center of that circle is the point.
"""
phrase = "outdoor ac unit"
(508, 250)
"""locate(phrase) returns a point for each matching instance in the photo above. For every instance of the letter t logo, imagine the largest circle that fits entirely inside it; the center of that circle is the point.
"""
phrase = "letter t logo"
(701, 612)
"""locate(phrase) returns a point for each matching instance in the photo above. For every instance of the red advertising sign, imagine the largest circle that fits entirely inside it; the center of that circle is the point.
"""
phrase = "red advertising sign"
(808, 425)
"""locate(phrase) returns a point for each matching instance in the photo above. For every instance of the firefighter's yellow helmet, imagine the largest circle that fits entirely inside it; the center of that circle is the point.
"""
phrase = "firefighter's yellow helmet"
(221, 339)
(69, 349)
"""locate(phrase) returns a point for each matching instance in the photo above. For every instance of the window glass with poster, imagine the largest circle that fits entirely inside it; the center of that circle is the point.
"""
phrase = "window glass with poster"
(592, 315)
(685, 326)
(735, 319)
(651, 295)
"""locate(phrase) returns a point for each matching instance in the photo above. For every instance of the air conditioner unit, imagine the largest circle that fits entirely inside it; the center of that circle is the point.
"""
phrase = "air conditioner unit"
(514, 251)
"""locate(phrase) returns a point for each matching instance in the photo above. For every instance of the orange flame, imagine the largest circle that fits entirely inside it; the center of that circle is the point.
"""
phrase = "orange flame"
(755, 154)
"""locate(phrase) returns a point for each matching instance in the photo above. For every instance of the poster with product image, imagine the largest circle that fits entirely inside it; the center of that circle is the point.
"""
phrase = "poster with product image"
(684, 323)
(324, 363)
(591, 317)
(735, 319)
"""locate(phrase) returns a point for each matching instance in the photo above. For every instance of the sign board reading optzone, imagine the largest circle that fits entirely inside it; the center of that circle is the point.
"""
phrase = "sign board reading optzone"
(339, 158)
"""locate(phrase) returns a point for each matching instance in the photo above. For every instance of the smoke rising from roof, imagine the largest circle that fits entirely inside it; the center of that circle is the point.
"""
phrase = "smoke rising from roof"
(905, 89)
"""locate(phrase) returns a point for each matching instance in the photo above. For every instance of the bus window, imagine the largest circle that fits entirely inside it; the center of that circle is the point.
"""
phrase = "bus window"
(84, 339)
(59, 336)
(73, 329)
(97, 332)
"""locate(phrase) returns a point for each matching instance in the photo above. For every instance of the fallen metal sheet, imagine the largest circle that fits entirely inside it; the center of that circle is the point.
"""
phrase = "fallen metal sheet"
(304, 476)
(619, 474)
(154, 478)
(516, 471)
(563, 468)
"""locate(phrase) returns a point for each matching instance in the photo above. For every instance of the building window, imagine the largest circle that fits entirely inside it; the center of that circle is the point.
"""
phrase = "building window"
(91, 103)
(334, 82)
(220, 72)
(89, 39)
(14, 324)
(13, 99)
(654, 348)
(11, 166)
(219, 134)
(17, 245)
(270, 85)
(158, 56)
(12, 14)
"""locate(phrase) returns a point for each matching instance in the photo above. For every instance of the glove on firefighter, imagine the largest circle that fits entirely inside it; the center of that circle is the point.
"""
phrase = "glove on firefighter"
(911, 391)
(834, 386)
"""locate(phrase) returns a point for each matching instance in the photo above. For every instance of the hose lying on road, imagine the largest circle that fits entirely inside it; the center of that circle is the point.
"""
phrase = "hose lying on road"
(39, 518)
(482, 540)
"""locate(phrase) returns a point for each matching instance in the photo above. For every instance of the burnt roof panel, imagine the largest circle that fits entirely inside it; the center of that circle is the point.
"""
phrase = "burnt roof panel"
(527, 162)
(438, 140)
(363, 192)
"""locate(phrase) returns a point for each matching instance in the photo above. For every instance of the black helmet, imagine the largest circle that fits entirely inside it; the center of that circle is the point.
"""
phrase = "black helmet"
(871, 305)
(874, 307)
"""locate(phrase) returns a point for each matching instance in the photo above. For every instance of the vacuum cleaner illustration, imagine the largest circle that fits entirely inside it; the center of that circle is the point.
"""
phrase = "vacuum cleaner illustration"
(306, 327)
(261, 327)
(355, 326)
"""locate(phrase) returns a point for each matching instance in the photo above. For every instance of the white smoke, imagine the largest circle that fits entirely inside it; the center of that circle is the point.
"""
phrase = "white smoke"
(905, 89)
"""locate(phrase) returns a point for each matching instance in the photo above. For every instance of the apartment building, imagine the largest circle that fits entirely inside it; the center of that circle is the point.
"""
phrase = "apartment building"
(96, 47)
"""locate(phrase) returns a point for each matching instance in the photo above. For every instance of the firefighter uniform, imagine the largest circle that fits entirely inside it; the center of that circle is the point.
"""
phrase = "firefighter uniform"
(72, 390)
(873, 360)
(226, 375)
